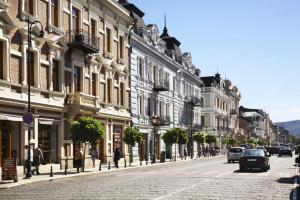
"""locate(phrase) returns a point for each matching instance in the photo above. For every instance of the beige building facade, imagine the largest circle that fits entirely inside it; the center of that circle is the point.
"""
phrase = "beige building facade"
(79, 68)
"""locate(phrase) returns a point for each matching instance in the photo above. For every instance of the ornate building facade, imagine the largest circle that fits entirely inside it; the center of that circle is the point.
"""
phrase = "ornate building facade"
(79, 67)
(221, 106)
(163, 82)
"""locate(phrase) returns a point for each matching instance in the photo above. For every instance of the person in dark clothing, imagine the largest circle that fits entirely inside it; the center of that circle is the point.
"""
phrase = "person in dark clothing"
(117, 155)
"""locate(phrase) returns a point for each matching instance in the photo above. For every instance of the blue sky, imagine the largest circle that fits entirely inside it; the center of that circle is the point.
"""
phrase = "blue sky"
(254, 43)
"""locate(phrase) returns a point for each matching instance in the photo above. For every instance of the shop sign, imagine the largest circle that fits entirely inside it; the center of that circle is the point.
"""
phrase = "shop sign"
(9, 170)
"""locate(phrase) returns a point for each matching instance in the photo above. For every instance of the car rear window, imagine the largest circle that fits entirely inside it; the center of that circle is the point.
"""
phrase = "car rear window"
(235, 150)
(254, 153)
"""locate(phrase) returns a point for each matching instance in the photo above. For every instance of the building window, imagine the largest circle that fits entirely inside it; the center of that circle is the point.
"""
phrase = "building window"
(44, 77)
(30, 65)
(29, 5)
(75, 18)
(93, 28)
(140, 67)
(122, 94)
(108, 40)
(109, 90)
(94, 84)
(54, 12)
(121, 44)
(1, 59)
(55, 72)
(77, 79)
(67, 81)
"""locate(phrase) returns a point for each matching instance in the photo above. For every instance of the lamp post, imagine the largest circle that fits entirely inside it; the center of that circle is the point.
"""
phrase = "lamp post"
(155, 121)
(29, 64)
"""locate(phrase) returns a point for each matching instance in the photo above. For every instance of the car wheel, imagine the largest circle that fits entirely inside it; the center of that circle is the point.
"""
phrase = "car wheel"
(264, 169)
(268, 167)
(229, 161)
(291, 155)
(242, 169)
(279, 155)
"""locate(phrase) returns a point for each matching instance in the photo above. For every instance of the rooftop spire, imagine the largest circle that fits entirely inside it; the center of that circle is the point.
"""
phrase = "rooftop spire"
(165, 31)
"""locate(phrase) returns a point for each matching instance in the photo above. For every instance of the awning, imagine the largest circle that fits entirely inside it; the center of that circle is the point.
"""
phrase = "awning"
(47, 121)
(9, 117)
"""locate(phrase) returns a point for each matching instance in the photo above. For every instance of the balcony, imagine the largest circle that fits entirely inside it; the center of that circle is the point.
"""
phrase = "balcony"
(82, 40)
(83, 100)
(161, 86)
(160, 120)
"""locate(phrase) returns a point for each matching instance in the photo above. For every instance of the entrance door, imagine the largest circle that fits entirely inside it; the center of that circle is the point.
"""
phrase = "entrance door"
(5, 144)
(48, 140)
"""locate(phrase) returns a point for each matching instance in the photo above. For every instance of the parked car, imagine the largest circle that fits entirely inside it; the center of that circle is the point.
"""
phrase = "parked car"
(255, 158)
(247, 146)
(274, 148)
(234, 154)
(297, 149)
(285, 150)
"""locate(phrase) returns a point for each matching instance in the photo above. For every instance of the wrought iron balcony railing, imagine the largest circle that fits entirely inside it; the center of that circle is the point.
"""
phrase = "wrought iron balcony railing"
(161, 86)
(82, 40)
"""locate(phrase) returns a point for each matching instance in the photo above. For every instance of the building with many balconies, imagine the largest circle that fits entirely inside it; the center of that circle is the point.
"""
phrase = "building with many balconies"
(163, 82)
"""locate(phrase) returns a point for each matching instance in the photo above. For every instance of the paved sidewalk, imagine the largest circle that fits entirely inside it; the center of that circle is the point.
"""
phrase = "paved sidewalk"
(60, 174)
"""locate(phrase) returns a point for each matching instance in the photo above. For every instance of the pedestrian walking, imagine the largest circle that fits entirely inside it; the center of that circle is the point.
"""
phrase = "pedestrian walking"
(26, 161)
(78, 159)
(38, 158)
(117, 155)
(184, 153)
(94, 155)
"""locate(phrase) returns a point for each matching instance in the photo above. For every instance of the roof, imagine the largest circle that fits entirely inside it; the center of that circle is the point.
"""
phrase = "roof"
(131, 7)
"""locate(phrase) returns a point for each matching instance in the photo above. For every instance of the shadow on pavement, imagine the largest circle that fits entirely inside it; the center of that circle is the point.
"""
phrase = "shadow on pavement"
(249, 171)
(286, 180)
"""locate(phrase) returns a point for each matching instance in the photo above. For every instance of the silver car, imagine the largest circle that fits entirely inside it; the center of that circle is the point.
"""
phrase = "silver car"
(235, 153)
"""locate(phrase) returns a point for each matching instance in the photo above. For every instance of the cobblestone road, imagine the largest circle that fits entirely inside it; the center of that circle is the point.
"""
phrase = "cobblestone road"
(197, 179)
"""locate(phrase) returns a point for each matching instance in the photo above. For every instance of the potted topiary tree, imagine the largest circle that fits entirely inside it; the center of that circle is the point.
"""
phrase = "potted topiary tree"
(132, 135)
(86, 130)
(199, 138)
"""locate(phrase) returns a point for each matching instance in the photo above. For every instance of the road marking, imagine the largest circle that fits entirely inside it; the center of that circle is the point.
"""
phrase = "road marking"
(179, 191)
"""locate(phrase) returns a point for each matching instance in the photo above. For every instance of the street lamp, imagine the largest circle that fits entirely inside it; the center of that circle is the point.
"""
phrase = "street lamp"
(155, 122)
(29, 64)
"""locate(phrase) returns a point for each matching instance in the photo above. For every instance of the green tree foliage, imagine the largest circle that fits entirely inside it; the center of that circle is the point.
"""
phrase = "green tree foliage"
(132, 135)
(210, 139)
(250, 141)
(87, 129)
(262, 142)
(229, 141)
(199, 138)
(175, 135)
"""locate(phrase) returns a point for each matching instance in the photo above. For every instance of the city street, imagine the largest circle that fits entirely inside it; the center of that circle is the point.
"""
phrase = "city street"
(211, 178)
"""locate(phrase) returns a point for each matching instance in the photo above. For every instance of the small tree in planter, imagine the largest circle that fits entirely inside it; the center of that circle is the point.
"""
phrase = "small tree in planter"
(199, 138)
(87, 129)
(132, 135)
(175, 135)
(210, 139)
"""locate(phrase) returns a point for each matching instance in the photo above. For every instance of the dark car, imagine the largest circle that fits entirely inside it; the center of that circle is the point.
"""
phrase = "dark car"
(297, 149)
(285, 150)
(254, 159)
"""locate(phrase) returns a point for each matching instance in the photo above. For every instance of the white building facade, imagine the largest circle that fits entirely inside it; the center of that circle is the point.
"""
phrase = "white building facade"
(162, 82)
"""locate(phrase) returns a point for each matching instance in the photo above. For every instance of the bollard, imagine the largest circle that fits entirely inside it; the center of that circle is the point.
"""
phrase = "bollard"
(100, 166)
(146, 162)
(51, 172)
(66, 170)
(141, 163)
(124, 162)
(108, 165)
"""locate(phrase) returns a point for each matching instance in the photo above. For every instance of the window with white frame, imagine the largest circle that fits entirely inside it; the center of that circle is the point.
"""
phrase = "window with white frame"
(55, 12)
(140, 63)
